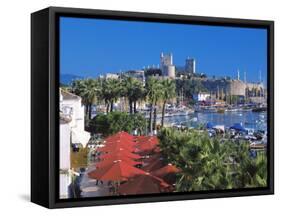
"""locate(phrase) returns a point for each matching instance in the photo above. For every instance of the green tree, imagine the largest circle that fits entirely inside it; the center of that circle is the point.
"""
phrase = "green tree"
(189, 87)
(211, 163)
(88, 90)
(117, 121)
(153, 93)
(168, 93)
(110, 92)
(134, 91)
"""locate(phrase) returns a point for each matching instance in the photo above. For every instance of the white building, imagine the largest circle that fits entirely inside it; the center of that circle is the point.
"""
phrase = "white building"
(167, 67)
(109, 76)
(201, 96)
(71, 131)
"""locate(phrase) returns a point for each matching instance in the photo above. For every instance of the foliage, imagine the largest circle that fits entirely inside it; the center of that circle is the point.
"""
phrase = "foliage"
(114, 122)
(189, 87)
(154, 93)
(110, 92)
(211, 163)
(88, 90)
(168, 93)
(134, 91)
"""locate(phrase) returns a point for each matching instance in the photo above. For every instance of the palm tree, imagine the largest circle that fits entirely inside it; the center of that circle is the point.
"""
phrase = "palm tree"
(139, 94)
(158, 96)
(134, 91)
(90, 94)
(129, 84)
(115, 86)
(153, 89)
(87, 89)
(110, 92)
(203, 160)
(168, 93)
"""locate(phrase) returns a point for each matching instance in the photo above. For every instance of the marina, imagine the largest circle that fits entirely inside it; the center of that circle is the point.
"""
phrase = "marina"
(251, 120)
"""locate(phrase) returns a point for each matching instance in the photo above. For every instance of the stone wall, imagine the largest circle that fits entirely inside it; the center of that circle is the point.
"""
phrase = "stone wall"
(225, 87)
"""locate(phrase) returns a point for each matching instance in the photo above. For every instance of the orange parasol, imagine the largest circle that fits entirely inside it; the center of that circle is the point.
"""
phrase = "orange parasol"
(121, 142)
(120, 135)
(111, 161)
(153, 164)
(168, 169)
(121, 153)
(119, 171)
(143, 184)
(148, 144)
(116, 147)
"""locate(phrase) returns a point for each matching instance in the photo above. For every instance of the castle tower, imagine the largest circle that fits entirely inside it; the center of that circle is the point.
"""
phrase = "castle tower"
(166, 65)
(190, 65)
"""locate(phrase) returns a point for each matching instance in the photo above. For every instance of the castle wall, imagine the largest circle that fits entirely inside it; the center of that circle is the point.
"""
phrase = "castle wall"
(237, 87)
(232, 87)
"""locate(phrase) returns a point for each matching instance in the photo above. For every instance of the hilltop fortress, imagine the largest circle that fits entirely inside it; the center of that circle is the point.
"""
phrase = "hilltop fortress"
(220, 88)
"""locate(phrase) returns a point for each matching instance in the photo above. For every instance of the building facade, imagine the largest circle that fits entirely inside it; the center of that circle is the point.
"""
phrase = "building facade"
(72, 131)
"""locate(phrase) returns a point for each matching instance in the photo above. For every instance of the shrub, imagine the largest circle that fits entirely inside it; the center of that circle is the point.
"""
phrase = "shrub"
(114, 122)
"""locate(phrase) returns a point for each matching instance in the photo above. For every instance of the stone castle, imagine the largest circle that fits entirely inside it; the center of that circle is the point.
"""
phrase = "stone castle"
(222, 88)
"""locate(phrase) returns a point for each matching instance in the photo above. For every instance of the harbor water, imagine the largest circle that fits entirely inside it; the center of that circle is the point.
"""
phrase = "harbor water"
(248, 119)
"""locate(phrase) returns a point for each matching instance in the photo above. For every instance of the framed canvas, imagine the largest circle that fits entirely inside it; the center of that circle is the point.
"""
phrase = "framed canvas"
(138, 107)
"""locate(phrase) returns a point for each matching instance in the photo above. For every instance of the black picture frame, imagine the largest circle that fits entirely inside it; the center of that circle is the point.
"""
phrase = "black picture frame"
(45, 107)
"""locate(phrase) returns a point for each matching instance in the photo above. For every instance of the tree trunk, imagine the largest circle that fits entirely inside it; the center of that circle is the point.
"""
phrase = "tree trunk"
(86, 114)
(90, 111)
(150, 119)
(155, 117)
(111, 106)
(135, 106)
(163, 113)
(131, 106)
(107, 107)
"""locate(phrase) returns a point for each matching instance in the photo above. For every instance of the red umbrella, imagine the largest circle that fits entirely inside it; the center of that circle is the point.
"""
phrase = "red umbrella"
(123, 154)
(120, 135)
(125, 134)
(148, 138)
(146, 147)
(148, 144)
(116, 148)
(111, 161)
(119, 171)
(168, 169)
(122, 142)
(143, 184)
(152, 158)
(140, 138)
(157, 149)
(153, 165)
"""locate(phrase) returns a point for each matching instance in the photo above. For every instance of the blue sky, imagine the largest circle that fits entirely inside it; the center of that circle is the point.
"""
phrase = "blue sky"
(90, 47)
